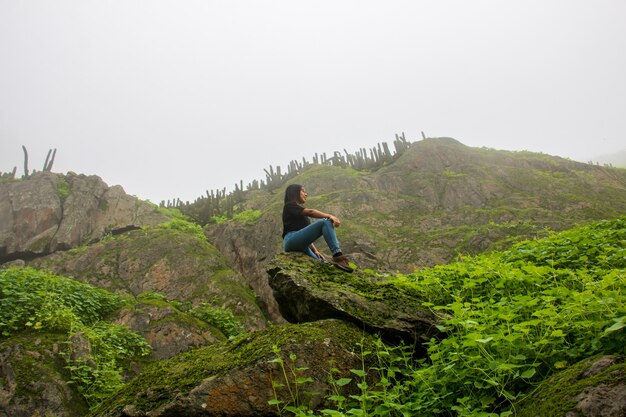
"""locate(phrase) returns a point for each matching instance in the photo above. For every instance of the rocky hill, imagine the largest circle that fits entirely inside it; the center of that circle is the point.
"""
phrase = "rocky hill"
(188, 289)
(438, 200)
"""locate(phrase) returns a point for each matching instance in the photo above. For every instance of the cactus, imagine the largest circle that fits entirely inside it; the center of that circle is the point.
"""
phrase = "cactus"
(47, 166)
(25, 161)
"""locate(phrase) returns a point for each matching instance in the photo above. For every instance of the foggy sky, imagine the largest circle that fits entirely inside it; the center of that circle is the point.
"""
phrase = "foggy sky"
(171, 98)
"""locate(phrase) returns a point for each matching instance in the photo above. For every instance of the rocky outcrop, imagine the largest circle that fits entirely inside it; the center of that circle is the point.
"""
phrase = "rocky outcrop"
(236, 378)
(307, 290)
(595, 387)
(176, 264)
(47, 212)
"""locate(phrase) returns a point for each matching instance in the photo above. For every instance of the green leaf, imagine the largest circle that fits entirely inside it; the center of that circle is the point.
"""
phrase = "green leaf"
(358, 372)
(529, 373)
(619, 324)
(342, 381)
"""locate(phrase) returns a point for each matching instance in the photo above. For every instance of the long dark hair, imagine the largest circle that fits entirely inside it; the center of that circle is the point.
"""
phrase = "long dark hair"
(292, 193)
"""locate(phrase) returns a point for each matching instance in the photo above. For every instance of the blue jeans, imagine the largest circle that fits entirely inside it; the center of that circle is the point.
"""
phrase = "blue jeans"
(301, 240)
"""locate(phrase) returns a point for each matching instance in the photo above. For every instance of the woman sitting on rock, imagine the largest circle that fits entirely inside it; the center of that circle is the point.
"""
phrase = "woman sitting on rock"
(299, 233)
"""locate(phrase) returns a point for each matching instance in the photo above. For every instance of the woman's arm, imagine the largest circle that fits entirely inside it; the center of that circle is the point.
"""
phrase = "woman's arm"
(321, 215)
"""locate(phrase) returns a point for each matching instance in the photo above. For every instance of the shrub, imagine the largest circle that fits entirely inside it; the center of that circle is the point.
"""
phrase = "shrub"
(222, 318)
(184, 226)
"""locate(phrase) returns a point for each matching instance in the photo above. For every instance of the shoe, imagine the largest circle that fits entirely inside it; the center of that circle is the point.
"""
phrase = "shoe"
(341, 262)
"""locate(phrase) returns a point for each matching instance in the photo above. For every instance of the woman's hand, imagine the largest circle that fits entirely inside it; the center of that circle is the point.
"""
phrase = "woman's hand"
(334, 220)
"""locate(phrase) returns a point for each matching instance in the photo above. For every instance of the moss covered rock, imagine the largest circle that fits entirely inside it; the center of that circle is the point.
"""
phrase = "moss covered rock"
(595, 387)
(235, 378)
(171, 262)
(308, 290)
(33, 381)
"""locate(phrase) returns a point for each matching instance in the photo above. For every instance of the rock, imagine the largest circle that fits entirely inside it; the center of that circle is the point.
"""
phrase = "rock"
(247, 247)
(179, 266)
(595, 387)
(167, 331)
(308, 290)
(47, 212)
(30, 214)
(234, 378)
(33, 381)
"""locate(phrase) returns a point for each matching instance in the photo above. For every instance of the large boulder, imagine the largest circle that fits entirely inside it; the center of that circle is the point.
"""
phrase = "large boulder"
(308, 290)
(595, 387)
(238, 377)
(33, 381)
(47, 212)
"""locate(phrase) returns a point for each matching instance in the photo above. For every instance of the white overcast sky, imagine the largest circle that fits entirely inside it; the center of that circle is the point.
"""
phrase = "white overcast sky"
(171, 98)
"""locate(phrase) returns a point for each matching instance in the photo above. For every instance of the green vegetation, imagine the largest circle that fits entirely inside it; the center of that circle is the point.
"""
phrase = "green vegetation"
(184, 226)
(247, 216)
(222, 318)
(63, 189)
(37, 300)
(95, 350)
(185, 371)
(172, 213)
(294, 379)
(511, 320)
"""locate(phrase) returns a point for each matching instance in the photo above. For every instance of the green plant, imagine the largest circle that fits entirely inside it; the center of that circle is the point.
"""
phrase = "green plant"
(293, 378)
(151, 295)
(173, 213)
(220, 317)
(218, 219)
(33, 300)
(248, 216)
(63, 189)
(38, 300)
(97, 374)
(184, 226)
(514, 317)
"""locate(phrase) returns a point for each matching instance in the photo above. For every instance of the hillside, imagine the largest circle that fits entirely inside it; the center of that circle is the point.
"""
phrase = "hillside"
(437, 200)
(534, 330)
(125, 291)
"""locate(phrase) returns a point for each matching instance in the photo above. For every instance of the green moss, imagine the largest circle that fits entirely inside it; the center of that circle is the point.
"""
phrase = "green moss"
(451, 174)
(40, 245)
(37, 365)
(188, 369)
(555, 396)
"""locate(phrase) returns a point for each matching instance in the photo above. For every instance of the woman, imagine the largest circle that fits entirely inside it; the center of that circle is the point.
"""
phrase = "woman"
(299, 233)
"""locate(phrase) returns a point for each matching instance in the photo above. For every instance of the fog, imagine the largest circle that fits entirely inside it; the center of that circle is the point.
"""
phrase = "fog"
(172, 98)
